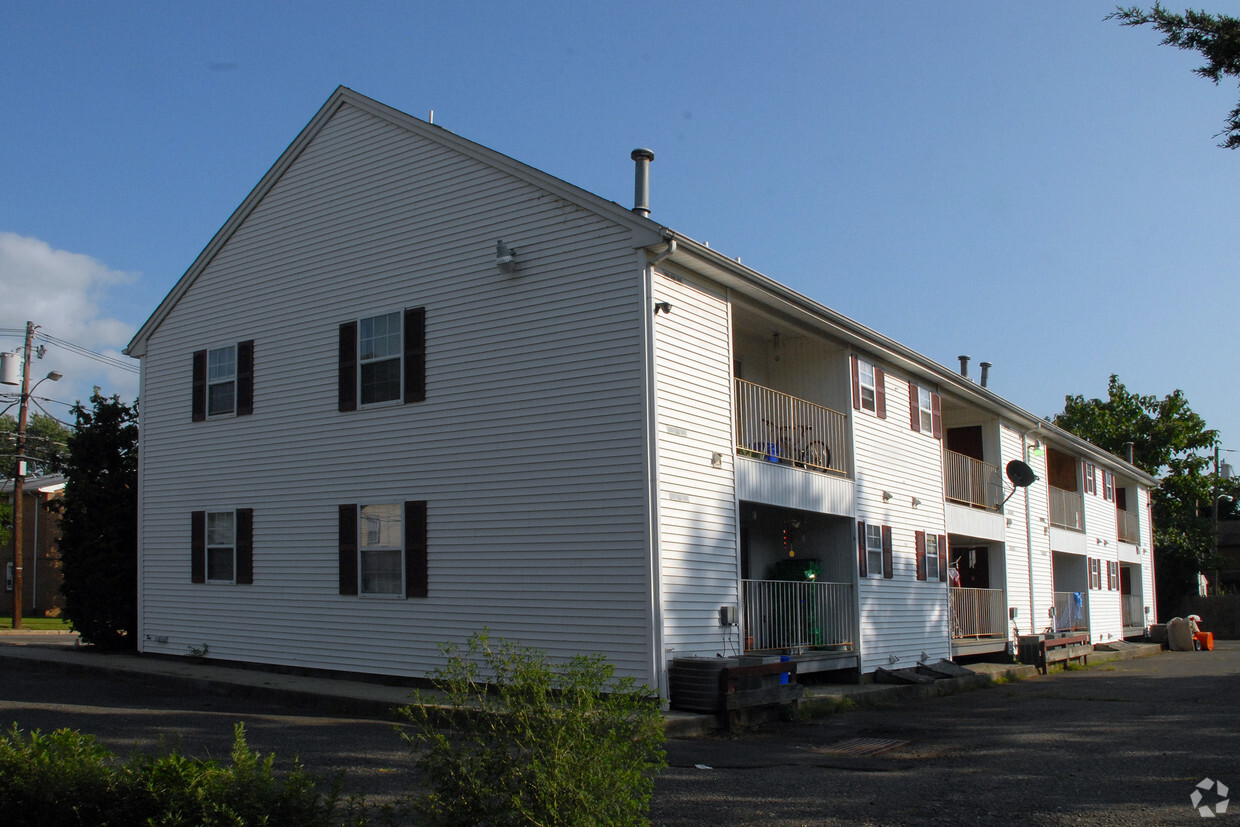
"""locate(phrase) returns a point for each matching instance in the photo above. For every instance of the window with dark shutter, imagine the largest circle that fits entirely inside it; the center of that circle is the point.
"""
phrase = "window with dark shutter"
(889, 566)
(245, 378)
(348, 549)
(880, 392)
(936, 408)
(861, 548)
(198, 541)
(914, 406)
(198, 402)
(856, 381)
(415, 354)
(245, 546)
(346, 390)
(415, 549)
(921, 554)
(942, 558)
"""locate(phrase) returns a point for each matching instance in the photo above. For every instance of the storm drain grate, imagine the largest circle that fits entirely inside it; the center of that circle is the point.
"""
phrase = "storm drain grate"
(862, 746)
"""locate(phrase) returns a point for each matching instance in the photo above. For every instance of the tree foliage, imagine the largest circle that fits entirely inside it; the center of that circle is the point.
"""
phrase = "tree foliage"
(1216, 37)
(99, 523)
(1171, 442)
(46, 441)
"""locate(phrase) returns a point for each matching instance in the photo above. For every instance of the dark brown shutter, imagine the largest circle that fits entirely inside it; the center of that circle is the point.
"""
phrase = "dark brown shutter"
(346, 391)
(856, 381)
(348, 549)
(880, 392)
(914, 403)
(936, 411)
(415, 549)
(245, 378)
(889, 563)
(943, 558)
(415, 354)
(199, 387)
(245, 546)
(198, 547)
(861, 550)
(921, 554)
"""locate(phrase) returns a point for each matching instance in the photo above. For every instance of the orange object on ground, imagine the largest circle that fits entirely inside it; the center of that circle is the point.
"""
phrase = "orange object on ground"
(1204, 640)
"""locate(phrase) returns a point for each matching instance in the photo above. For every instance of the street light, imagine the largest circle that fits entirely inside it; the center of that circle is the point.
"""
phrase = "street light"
(20, 475)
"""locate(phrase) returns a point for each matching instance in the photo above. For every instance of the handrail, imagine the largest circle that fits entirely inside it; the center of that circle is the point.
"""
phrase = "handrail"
(1067, 508)
(781, 428)
(796, 615)
(971, 481)
(977, 612)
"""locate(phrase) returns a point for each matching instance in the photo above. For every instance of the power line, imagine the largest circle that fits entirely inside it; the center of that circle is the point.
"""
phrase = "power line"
(110, 361)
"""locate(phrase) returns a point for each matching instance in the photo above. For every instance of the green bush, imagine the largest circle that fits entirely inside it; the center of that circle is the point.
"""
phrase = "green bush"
(65, 778)
(517, 740)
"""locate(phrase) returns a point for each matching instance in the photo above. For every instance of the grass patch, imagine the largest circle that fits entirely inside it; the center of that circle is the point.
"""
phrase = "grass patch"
(37, 624)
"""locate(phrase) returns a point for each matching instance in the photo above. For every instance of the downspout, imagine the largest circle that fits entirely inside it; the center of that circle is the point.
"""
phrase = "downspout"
(658, 657)
(1033, 614)
(671, 250)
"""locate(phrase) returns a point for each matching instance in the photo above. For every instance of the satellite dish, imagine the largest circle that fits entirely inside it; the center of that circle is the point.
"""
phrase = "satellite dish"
(1020, 474)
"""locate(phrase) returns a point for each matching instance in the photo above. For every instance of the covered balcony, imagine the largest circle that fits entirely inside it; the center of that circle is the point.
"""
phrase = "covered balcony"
(797, 594)
(1067, 508)
(1128, 527)
(778, 427)
(971, 482)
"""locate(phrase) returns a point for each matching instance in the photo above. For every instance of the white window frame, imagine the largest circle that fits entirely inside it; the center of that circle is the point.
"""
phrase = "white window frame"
(219, 374)
(867, 383)
(873, 550)
(363, 360)
(925, 409)
(227, 545)
(932, 556)
(381, 545)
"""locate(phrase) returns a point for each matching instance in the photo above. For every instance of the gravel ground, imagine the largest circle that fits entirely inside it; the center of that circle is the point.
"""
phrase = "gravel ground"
(1123, 743)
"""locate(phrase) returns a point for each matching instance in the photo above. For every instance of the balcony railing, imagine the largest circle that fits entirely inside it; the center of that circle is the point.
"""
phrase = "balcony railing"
(1129, 532)
(978, 613)
(780, 428)
(1071, 612)
(797, 615)
(971, 481)
(1134, 610)
(1067, 508)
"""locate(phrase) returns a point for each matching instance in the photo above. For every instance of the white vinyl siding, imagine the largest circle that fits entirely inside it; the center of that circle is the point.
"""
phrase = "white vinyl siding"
(696, 530)
(531, 447)
(902, 617)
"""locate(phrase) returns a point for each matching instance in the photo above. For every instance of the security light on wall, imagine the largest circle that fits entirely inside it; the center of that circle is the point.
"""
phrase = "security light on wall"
(505, 258)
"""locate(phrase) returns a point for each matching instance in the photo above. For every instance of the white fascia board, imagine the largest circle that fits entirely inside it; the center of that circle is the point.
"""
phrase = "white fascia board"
(699, 258)
(645, 232)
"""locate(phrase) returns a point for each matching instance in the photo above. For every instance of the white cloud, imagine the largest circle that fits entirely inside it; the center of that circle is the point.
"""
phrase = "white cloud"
(61, 292)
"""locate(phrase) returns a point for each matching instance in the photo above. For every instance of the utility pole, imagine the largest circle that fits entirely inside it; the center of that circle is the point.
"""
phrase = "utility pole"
(19, 480)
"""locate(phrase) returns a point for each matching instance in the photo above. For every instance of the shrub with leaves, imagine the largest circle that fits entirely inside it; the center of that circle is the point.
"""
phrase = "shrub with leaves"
(66, 778)
(519, 740)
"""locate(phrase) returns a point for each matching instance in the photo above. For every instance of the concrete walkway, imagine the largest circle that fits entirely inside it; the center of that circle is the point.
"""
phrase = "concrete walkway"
(369, 697)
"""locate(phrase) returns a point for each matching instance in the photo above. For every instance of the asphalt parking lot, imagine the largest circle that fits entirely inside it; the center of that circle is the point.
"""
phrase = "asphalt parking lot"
(1125, 743)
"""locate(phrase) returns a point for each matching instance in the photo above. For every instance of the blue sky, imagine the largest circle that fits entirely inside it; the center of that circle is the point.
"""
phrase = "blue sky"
(1024, 183)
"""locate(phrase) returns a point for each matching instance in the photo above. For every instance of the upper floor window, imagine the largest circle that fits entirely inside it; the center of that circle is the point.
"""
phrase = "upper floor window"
(927, 410)
(869, 391)
(383, 359)
(1108, 485)
(379, 356)
(223, 381)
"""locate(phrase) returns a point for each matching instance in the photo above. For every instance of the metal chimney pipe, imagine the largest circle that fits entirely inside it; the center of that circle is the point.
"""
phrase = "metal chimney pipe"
(1130, 451)
(985, 372)
(964, 366)
(641, 186)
